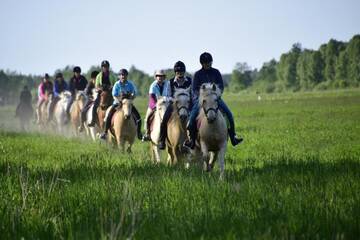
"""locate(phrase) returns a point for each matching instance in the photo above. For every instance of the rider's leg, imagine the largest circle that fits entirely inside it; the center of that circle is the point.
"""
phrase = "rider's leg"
(137, 118)
(163, 126)
(233, 138)
(190, 143)
(107, 120)
(94, 110)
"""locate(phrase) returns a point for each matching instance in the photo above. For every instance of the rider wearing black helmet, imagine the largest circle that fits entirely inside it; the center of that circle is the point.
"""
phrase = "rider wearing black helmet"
(78, 82)
(179, 81)
(208, 74)
(104, 81)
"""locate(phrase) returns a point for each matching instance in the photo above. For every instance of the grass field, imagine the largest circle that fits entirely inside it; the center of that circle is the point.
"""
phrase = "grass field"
(296, 176)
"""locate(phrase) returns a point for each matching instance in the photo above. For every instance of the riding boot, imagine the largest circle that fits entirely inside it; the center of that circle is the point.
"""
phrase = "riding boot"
(233, 138)
(138, 129)
(108, 119)
(163, 135)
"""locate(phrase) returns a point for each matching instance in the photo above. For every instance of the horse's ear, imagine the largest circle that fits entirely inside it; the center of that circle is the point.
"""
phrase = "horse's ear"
(203, 86)
(214, 87)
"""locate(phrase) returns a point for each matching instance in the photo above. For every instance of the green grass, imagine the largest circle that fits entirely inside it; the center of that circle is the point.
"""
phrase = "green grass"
(297, 175)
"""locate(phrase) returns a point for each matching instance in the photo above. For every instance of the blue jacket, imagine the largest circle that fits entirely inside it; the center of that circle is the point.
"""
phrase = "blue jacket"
(126, 87)
(59, 87)
(202, 76)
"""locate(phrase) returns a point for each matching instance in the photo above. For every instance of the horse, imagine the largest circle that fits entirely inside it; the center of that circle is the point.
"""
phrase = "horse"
(176, 127)
(24, 112)
(61, 117)
(212, 132)
(123, 126)
(161, 106)
(43, 113)
(75, 110)
(105, 101)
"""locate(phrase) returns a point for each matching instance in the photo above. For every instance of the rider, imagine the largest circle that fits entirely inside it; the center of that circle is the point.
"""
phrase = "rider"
(88, 91)
(157, 89)
(59, 86)
(104, 80)
(179, 81)
(25, 100)
(208, 74)
(77, 83)
(45, 87)
(122, 88)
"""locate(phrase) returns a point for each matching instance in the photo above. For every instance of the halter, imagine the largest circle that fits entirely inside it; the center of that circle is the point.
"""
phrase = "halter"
(183, 107)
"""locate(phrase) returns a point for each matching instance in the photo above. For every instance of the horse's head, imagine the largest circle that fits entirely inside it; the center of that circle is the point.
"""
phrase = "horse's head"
(209, 100)
(105, 99)
(161, 106)
(65, 96)
(126, 105)
(81, 98)
(182, 102)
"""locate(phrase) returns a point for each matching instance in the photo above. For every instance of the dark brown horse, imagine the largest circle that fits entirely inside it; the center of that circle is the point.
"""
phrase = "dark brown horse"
(106, 100)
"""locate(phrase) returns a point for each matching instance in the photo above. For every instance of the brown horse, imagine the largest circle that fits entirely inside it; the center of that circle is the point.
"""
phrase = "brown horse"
(106, 100)
(176, 127)
(123, 126)
(212, 137)
(75, 110)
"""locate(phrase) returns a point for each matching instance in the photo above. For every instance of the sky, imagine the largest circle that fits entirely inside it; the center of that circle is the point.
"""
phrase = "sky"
(41, 36)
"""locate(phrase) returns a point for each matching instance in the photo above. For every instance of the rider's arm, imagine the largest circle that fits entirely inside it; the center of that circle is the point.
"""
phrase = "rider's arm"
(98, 81)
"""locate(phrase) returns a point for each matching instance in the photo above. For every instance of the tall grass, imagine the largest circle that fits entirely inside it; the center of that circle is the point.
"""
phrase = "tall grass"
(297, 175)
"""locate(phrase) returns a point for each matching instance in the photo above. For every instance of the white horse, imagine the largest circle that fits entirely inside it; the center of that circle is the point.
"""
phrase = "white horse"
(212, 136)
(161, 106)
(60, 115)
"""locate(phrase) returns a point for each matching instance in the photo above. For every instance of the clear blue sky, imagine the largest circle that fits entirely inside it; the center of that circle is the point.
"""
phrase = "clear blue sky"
(41, 36)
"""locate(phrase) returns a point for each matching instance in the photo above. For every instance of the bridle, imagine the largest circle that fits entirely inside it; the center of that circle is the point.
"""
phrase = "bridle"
(216, 110)
(183, 107)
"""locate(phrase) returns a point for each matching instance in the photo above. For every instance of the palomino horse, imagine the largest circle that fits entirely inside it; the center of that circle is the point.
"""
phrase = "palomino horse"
(176, 127)
(60, 115)
(75, 110)
(212, 136)
(106, 100)
(161, 106)
(123, 126)
(24, 112)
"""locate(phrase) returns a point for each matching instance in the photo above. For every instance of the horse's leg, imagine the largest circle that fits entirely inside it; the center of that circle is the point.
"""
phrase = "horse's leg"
(221, 156)
(169, 158)
(213, 157)
(157, 153)
(205, 156)
(175, 155)
(128, 150)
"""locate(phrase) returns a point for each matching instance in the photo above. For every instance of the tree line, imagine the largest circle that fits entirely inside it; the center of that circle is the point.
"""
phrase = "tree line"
(335, 64)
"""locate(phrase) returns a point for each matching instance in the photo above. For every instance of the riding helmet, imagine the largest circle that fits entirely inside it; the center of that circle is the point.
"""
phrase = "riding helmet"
(179, 67)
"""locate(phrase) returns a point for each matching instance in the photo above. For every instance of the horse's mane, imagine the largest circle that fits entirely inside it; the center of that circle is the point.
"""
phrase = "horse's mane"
(66, 94)
(207, 89)
(161, 101)
(80, 94)
(182, 91)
